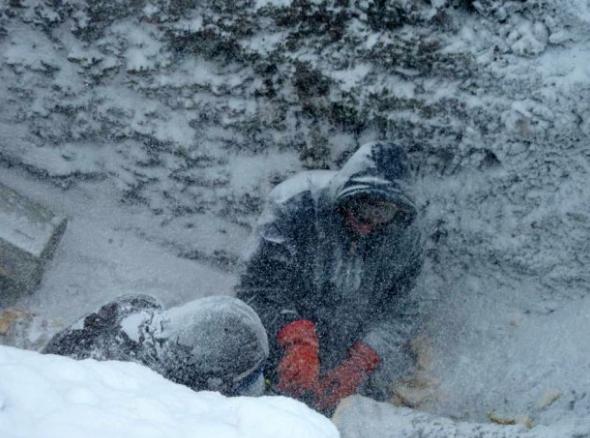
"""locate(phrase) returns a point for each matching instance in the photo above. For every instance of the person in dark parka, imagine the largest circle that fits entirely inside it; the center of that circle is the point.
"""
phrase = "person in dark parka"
(335, 257)
(215, 343)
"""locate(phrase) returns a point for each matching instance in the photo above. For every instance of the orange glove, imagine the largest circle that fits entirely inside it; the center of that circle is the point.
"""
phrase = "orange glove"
(299, 367)
(345, 379)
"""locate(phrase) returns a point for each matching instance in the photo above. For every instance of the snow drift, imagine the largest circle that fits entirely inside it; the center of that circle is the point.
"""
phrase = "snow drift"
(46, 396)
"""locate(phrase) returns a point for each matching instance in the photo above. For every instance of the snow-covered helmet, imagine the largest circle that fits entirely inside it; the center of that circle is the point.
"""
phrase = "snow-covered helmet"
(215, 343)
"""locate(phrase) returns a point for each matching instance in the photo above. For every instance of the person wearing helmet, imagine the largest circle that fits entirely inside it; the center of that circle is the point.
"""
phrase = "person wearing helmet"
(215, 343)
(335, 256)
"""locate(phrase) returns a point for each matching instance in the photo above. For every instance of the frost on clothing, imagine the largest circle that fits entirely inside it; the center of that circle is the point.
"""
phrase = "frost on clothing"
(306, 264)
(214, 343)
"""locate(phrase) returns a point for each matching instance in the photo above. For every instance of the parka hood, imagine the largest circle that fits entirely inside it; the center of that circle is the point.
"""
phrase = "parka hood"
(380, 170)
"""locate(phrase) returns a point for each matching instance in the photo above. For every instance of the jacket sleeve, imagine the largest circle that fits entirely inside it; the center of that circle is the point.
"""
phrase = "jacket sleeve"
(269, 282)
(398, 321)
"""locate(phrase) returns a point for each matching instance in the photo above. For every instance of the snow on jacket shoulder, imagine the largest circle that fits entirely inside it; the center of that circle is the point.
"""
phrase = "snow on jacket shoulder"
(306, 264)
(113, 332)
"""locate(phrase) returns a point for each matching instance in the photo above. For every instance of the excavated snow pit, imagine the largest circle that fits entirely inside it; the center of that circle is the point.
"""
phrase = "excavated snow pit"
(161, 146)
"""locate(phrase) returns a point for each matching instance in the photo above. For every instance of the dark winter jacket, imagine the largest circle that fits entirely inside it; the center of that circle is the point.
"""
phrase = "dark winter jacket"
(306, 264)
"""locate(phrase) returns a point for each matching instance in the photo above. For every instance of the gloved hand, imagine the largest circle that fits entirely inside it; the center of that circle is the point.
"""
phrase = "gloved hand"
(345, 379)
(299, 367)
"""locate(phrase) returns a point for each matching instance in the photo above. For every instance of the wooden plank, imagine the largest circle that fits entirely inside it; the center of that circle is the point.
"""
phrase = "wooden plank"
(29, 234)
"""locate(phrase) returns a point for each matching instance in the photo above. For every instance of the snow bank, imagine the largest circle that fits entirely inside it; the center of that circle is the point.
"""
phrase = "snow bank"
(51, 396)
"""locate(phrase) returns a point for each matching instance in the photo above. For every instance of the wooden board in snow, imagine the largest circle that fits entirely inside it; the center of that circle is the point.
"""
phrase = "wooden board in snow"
(29, 234)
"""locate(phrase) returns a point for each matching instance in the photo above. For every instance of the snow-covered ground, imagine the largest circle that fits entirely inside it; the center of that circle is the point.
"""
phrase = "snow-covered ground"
(101, 257)
(359, 417)
(46, 396)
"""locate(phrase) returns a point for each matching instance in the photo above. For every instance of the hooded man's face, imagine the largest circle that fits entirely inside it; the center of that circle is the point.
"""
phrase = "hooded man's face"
(364, 216)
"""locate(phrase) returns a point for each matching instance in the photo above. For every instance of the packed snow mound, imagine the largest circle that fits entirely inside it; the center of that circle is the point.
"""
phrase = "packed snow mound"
(51, 396)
